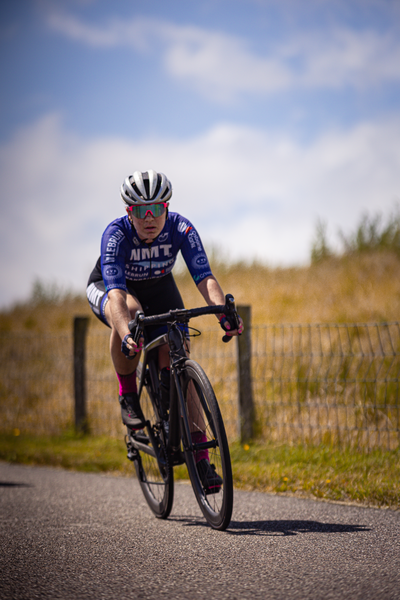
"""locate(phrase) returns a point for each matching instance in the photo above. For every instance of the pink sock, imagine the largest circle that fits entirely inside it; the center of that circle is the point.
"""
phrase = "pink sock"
(127, 383)
(198, 437)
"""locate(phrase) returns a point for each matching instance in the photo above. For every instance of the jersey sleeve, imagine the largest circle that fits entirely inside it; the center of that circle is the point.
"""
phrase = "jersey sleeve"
(194, 254)
(114, 254)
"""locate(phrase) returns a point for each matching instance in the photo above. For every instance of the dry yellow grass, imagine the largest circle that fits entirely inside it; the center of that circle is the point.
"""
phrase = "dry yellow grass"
(362, 288)
(359, 288)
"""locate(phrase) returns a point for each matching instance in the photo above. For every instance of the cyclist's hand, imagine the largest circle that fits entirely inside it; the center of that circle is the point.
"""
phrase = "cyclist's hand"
(129, 348)
(228, 327)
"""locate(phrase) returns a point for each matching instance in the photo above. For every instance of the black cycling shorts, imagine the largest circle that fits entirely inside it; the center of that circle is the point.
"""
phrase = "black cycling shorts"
(156, 296)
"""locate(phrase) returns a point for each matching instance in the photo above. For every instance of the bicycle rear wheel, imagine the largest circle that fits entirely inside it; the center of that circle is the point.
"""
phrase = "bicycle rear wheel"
(155, 476)
(205, 417)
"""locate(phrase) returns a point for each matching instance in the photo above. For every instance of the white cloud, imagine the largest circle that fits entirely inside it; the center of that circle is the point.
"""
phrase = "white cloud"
(250, 192)
(135, 33)
(221, 65)
(344, 57)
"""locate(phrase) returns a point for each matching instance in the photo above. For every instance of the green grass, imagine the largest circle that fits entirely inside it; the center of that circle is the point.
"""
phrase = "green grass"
(322, 472)
(69, 451)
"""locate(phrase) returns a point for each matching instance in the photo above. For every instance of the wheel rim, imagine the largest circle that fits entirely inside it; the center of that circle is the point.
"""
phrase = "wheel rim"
(212, 505)
(156, 481)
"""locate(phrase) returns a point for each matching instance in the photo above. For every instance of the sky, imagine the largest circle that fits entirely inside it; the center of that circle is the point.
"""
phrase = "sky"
(268, 116)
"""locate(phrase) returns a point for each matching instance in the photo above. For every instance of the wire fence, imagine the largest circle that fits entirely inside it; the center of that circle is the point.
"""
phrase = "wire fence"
(310, 383)
(329, 383)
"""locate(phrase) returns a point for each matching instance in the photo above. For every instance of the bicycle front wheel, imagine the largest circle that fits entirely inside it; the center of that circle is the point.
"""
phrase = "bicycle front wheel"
(153, 470)
(205, 420)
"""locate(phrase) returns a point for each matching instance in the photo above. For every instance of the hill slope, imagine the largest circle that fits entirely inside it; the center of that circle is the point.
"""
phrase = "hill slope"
(363, 287)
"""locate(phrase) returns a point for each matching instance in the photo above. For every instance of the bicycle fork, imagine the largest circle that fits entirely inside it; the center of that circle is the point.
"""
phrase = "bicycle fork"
(179, 417)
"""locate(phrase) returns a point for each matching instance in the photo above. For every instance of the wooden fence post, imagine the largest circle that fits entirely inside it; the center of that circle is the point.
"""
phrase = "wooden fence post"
(80, 330)
(245, 393)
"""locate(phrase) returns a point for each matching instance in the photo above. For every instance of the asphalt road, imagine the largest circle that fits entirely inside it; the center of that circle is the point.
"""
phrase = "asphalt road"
(74, 535)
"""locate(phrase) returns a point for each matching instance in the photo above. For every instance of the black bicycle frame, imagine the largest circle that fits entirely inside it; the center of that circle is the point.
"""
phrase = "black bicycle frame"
(149, 369)
(177, 411)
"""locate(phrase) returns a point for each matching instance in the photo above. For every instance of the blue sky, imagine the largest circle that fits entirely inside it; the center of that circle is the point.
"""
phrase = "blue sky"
(266, 115)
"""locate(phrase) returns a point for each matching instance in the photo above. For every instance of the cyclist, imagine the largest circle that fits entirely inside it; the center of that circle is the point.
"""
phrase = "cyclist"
(134, 272)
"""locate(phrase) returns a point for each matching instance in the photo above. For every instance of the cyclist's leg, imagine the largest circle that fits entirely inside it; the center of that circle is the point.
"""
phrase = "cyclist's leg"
(159, 296)
(98, 300)
(195, 412)
(125, 370)
(121, 364)
(197, 423)
(163, 357)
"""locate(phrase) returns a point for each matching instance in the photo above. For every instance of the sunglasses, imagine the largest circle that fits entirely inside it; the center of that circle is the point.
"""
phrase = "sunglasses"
(140, 210)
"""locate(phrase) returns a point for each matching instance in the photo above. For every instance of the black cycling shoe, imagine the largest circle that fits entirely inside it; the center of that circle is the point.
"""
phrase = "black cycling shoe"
(210, 479)
(131, 412)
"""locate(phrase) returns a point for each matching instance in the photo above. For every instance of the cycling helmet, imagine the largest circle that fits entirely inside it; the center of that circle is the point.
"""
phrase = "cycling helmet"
(149, 186)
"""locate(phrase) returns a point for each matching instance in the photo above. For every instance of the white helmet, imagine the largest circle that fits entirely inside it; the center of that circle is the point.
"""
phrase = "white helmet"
(149, 186)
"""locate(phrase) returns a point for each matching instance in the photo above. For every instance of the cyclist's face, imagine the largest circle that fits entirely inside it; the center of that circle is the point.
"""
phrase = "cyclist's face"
(150, 227)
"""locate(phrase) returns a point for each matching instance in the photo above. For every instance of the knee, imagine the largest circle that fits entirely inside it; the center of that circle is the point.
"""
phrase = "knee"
(163, 356)
(133, 306)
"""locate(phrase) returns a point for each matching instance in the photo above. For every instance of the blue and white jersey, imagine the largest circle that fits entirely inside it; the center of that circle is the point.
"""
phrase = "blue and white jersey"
(125, 257)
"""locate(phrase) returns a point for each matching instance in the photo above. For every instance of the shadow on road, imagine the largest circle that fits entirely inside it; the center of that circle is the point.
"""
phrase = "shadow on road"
(14, 484)
(277, 527)
(290, 527)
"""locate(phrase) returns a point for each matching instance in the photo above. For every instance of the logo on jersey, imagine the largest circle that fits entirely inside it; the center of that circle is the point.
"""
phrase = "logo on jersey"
(198, 278)
(113, 243)
(182, 227)
(155, 252)
(199, 261)
(113, 272)
(136, 241)
(163, 237)
(194, 240)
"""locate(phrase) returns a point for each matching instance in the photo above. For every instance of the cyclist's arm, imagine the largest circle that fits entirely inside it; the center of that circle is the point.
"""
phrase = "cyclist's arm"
(119, 311)
(211, 291)
(213, 295)
(197, 262)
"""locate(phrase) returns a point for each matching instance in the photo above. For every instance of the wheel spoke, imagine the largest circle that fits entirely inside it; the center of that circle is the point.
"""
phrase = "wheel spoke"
(215, 498)
(155, 476)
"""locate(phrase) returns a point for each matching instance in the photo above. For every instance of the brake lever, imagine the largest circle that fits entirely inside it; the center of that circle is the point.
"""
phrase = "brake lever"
(135, 327)
(232, 313)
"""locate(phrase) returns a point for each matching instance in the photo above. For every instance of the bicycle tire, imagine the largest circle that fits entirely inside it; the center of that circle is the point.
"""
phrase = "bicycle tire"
(156, 482)
(216, 507)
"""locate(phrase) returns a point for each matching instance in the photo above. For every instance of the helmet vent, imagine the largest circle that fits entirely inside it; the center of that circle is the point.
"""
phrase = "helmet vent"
(148, 186)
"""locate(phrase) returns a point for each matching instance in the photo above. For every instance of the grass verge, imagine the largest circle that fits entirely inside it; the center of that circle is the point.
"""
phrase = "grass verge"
(69, 451)
(313, 472)
(322, 472)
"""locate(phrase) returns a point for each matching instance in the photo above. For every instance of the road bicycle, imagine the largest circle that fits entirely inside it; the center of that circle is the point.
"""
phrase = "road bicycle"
(174, 415)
